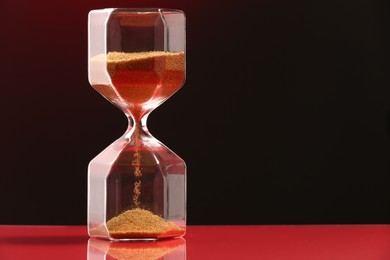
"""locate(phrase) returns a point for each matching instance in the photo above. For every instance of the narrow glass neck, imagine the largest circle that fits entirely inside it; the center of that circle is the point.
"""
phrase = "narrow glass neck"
(137, 128)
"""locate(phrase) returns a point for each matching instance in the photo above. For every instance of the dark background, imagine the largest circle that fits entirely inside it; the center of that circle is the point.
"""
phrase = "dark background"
(284, 117)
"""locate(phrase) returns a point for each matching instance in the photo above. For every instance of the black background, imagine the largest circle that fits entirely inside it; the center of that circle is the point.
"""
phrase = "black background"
(283, 119)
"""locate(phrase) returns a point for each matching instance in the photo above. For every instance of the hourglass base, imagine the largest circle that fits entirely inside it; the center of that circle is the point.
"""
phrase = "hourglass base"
(125, 236)
(117, 237)
(140, 239)
(128, 233)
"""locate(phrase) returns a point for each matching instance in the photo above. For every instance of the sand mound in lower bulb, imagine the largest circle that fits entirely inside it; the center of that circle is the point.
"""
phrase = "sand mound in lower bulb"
(141, 223)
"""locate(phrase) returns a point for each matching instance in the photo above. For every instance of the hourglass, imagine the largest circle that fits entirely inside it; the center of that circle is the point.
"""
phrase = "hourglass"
(137, 185)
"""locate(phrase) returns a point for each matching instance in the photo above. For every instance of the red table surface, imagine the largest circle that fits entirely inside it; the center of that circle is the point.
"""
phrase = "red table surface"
(265, 242)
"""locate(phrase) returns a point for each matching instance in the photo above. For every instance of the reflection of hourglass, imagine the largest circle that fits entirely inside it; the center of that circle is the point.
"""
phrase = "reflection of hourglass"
(136, 186)
(172, 249)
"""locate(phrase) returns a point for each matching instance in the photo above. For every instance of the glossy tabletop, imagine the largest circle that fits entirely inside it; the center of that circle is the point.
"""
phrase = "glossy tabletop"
(265, 242)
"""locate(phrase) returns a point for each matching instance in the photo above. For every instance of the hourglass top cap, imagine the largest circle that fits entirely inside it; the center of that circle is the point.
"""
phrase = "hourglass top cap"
(138, 10)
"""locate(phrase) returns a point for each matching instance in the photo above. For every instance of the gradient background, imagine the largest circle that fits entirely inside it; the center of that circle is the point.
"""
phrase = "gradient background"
(284, 117)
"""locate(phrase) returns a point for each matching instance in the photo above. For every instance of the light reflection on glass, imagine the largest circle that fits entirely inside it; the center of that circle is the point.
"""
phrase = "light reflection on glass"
(169, 249)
